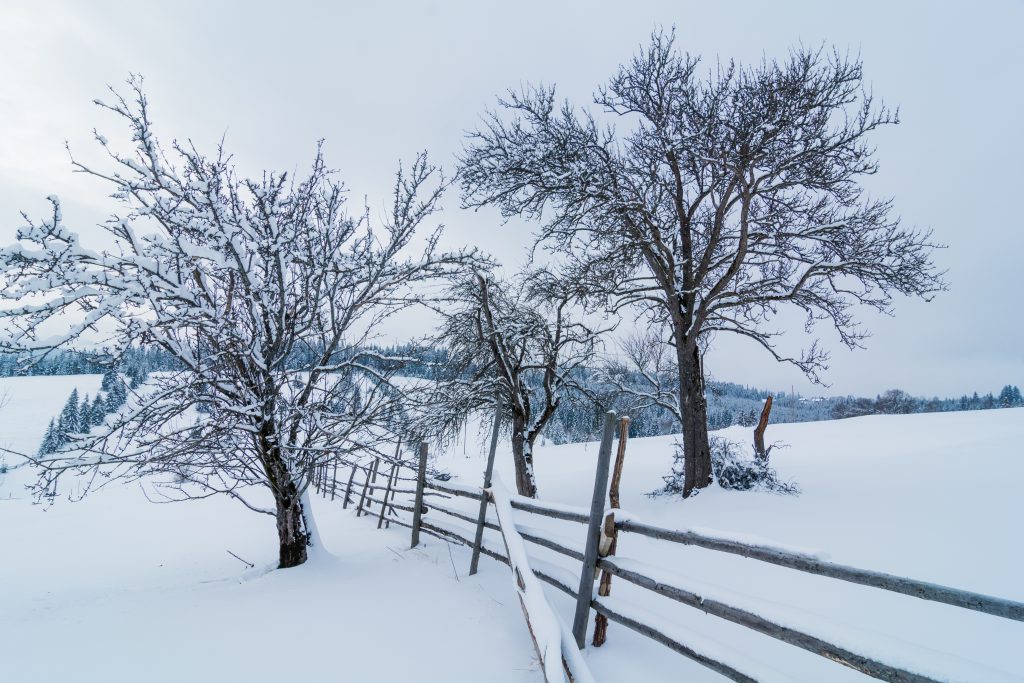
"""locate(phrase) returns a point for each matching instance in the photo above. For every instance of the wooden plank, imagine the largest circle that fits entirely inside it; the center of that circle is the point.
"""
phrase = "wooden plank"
(556, 513)
(472, 493)
(484, 495)
(861, 663)
(550, 545)
(558, 664)
(421, 479)
(1000, 607)
(585, 592)
(604, 588)
(465, 517)
(398, 506)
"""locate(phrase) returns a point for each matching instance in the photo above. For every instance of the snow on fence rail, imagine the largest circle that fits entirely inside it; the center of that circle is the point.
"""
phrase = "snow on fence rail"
(599, 554)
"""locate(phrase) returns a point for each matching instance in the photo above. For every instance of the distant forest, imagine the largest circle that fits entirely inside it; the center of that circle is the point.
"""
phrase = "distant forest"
(578, 416)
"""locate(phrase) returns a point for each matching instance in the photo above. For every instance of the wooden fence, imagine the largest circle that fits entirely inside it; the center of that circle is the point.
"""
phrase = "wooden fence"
(557, 646)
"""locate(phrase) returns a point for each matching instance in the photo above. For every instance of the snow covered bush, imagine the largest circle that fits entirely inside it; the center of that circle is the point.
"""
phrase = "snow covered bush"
(732, 471)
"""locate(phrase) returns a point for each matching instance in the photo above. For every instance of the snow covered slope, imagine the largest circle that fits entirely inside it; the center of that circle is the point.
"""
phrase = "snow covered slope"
(115, 588)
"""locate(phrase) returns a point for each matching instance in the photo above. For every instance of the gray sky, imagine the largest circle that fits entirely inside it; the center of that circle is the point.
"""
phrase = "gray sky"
(381, 81)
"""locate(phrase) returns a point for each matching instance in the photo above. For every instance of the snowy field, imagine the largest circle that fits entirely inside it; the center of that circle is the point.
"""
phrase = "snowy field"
(935, 497)
(115, 588)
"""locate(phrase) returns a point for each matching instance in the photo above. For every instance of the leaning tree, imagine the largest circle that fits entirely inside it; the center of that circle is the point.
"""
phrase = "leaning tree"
(521, 342)
(264, 291)
(718, 200)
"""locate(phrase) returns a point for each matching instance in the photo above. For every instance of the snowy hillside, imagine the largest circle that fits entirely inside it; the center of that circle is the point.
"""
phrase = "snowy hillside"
(116, 588)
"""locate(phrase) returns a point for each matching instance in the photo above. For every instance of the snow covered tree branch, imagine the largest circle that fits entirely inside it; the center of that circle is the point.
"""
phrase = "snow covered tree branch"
(264, 290)
(720, 200)
(522, 341)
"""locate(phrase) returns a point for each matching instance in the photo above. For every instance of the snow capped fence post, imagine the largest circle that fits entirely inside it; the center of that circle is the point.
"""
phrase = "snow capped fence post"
(610, 534)
(421, 480)
(588, 573)
(484, 497)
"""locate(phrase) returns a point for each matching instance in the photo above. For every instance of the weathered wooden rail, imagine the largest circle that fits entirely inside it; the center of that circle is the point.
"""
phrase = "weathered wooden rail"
(599, 555)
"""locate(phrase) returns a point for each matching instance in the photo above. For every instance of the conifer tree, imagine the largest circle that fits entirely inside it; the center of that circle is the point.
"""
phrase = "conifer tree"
(97, 411)
(50, 440)
(68, 421)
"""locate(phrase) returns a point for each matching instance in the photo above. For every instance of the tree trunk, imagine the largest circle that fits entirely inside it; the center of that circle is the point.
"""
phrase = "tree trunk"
(693, 407)
(522, 455)
(293, 531)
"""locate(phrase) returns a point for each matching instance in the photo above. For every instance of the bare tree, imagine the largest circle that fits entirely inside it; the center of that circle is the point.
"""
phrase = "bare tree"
(265, 291)
(720, 200)
(521, 340)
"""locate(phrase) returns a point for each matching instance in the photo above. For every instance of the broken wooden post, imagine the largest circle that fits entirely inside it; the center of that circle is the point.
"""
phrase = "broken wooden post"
(586, 592)
(482, 516)
(421, 481)
(762, 424)
(604, 588)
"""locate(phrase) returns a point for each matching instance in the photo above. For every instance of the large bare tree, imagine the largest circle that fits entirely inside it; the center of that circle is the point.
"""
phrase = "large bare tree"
(718, 199)
(265, 291)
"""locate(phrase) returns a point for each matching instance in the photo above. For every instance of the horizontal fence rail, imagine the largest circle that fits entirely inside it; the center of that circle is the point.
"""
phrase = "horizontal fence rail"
(1000, 607)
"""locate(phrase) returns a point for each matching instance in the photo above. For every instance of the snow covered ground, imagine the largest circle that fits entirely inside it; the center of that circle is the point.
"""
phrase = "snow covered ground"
(115, 588)
(934, 496)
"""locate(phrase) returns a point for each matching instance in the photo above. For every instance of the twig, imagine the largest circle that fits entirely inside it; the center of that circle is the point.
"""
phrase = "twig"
(454, 570)
(251, 565)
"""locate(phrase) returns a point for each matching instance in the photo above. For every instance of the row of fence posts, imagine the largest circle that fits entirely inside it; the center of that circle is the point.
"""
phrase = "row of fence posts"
(601, 534)
(321, 482)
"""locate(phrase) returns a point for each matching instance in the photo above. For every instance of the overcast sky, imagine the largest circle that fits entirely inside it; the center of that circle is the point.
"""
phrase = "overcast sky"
(383, 80)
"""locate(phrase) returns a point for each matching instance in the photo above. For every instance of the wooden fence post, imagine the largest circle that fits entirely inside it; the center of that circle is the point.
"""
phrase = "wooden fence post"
(334, 478)
(348, 487)
(362, 497)
(373, 482)
(421, 480)
(587, 574)
(478, 540)
(604, 588)
(387, 493)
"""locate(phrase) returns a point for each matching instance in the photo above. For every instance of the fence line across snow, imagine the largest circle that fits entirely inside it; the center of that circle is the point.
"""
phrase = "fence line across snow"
(596, 557)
